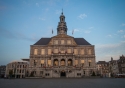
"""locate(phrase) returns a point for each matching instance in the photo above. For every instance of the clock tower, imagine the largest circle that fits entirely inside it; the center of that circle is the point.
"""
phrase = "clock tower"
(62, 28)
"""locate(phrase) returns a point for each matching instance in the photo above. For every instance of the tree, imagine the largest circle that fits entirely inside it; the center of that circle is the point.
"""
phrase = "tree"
(93, 73)
(32, 74)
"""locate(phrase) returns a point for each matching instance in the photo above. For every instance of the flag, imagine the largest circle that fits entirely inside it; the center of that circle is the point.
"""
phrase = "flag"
(52, 31)
(72, 32)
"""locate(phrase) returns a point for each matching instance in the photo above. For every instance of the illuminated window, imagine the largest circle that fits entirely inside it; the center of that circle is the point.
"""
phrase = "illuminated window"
(62, 51)
(75, 51)
(82, 51)
(89, 61)
(49, 51)
(62, 41)
(55, 50)
(68, 41)
(89, 51)
(42, 51)
(69, 62)
(49, 62)
(62, 62)
(68, 50)
(42, 61)
(55, 62)
(35, 51)
(76, 62)
(82, 62)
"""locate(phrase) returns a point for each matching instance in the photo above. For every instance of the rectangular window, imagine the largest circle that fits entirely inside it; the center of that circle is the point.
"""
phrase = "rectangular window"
(62, 41)
(89, 51)
(68, 42)
(42, 61)
(41, 72)
(49, 51)
(35, 62)
(76, 62)
(42, 51)
(55, 50)
(62, 51)
(78, 74)
(47, 74)
(89, 61)
(82, 62)
(49, 62)
(75, 51)
(68, 50)
(82, 51)
(55, 41)
(35, 51)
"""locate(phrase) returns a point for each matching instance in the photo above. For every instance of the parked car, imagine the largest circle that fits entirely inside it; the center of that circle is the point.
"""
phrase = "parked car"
(120, 76)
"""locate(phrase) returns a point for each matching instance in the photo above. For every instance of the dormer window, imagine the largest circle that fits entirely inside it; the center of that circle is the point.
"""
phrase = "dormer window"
(56, 42)
(68, 42)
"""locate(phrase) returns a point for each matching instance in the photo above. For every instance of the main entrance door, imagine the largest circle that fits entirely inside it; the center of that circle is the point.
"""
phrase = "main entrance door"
(63, 74)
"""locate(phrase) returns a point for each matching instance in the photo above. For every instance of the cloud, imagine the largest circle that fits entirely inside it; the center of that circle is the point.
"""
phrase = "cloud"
(15, 35)
(87, 31)
(109, 35)
(58, 11)
(123, 24)
(91, 27)
(120, 31)
(76, 30)
(37, 4)
(124, 36)
(106, 51)
(42, 18)
(47, 9)
(82, 16)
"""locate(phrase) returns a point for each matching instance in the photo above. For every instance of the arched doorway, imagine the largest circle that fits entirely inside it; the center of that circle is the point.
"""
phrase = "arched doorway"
(63, 74)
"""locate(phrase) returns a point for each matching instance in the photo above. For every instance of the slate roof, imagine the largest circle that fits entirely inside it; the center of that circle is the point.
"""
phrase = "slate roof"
(102, 62)
(79, 41)
(43, 41)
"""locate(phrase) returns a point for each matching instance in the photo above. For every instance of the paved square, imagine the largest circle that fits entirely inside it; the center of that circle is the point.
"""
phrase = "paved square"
(64, 83)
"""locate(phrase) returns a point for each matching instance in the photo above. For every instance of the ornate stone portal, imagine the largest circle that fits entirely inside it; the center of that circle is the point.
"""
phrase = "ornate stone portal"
(62, 55)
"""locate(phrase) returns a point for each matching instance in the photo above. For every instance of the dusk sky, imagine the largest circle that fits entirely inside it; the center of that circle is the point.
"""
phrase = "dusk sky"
(24, 22)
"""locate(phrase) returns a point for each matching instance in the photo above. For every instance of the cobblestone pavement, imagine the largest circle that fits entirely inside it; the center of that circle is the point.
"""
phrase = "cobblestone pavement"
(64, 83)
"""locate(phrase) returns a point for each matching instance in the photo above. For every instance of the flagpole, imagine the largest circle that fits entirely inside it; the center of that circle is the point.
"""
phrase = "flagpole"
(72, 31)
(52, 32)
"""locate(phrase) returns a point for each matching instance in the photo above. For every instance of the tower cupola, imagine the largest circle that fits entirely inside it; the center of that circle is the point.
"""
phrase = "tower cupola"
(62, 28)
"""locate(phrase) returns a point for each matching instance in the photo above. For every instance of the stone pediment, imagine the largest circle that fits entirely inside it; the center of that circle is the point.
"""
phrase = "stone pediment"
(62, 36)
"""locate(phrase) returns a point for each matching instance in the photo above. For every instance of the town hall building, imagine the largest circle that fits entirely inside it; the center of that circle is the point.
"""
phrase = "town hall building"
(62, 55)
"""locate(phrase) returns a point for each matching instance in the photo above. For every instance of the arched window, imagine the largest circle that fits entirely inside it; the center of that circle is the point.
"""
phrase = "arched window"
(62, 19)
(62, 62)
(70, 62)
(55, 63)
